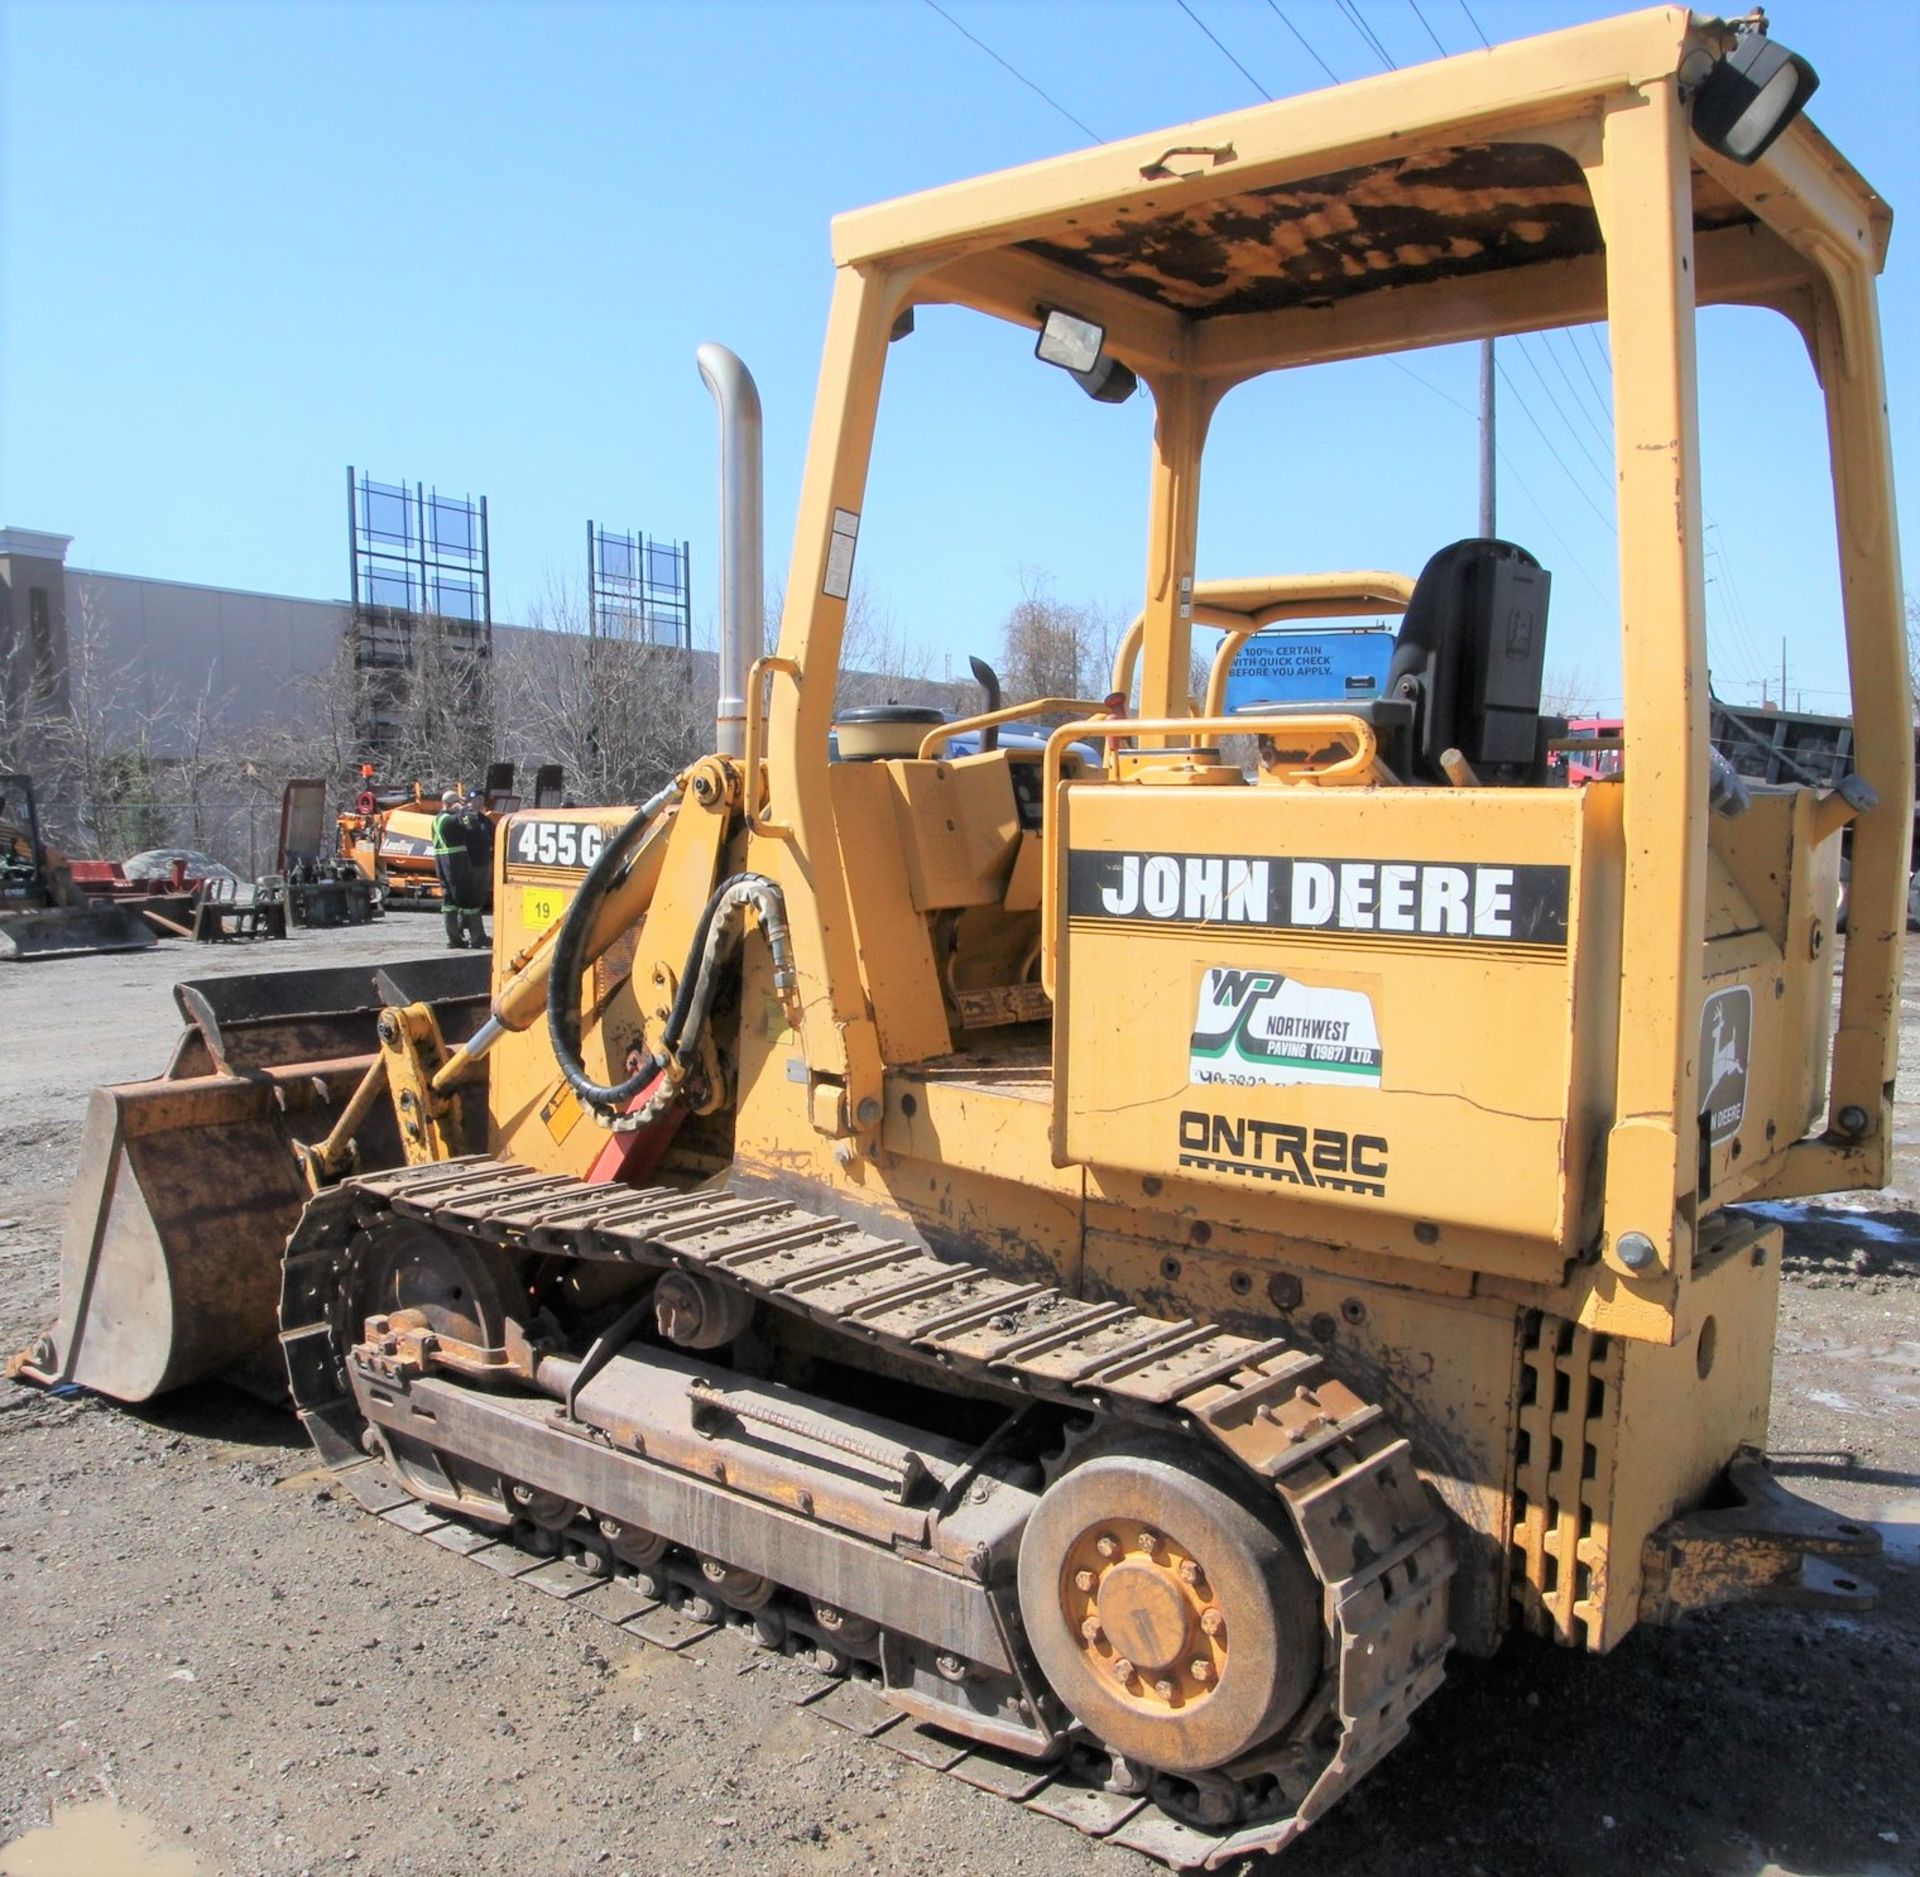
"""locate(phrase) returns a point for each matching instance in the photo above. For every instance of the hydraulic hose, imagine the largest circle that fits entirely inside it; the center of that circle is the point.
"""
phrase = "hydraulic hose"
(568, 965)
(714, 938)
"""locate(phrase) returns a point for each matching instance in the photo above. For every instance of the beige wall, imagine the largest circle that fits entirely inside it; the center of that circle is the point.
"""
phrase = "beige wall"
(168, 643)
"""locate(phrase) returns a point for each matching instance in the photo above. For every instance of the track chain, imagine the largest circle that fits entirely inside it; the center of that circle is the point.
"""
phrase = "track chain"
(1367, 1523)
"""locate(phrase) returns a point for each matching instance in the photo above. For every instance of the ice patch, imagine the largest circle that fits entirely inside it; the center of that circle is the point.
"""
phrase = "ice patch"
(1796, 1212)
(1828, 1399)
(1899, 1528)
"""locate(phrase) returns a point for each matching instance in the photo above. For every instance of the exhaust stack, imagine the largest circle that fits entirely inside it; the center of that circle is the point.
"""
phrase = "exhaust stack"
(742, 572)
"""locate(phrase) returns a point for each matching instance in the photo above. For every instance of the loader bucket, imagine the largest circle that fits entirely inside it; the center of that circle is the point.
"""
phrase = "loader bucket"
(188, 1187)
(71, 932)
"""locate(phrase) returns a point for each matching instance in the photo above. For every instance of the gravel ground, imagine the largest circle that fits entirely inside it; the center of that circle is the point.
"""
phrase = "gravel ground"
(216, 1661)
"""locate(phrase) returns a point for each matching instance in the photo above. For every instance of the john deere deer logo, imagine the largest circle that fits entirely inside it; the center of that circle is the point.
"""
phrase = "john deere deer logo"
(1726, 1033)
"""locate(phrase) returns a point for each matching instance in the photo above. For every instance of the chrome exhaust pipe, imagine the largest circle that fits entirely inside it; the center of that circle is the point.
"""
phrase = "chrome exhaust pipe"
(742, 572)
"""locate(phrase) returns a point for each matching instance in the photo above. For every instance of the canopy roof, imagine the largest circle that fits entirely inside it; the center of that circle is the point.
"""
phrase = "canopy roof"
(1436, 174)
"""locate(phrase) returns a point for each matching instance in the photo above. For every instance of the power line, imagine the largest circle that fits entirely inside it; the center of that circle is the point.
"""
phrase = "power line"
(1580, 442)
(1733, 579)
(1737, 610)
(1015, 70)
(1599, 352)
(1580, 488)
(1746, 654)
(1431, 34)
(1728, 659)
(1716, 544)
(1723, 657)
(1586, 417)
(1446, 397)
(1519, 481)
(1475, 24)
(1228, 56)
(1602, 399)
(1351, 10)
(1601, 427)
(1351, 6)
(1521, 340)
(1546, 521)
(1311, 50)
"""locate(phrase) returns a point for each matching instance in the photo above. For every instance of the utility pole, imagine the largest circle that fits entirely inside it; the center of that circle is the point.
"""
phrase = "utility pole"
(1783, 671)
(1486, 439)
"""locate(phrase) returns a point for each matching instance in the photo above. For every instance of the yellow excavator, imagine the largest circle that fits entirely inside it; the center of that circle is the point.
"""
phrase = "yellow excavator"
(1127, 1260)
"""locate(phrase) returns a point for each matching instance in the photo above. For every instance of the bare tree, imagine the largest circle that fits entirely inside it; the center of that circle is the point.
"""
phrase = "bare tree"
(94, 763)
(1913, 652)
(1055, 648)
(879, 664)
(621, 714)
(1050, 648)
(1570, 691)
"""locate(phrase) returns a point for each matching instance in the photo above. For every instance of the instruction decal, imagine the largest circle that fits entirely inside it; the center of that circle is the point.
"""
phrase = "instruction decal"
(846, 531)
(1726, 1037)
(1260, 1028)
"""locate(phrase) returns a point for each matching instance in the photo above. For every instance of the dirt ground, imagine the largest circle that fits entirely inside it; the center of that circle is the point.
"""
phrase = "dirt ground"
(235, 1673)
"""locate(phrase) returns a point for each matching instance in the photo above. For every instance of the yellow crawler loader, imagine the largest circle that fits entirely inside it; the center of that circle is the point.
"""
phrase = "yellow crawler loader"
(1128, 1262)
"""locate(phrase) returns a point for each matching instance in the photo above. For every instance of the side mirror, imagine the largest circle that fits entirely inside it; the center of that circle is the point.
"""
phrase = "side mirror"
(1076, 346)
(1751, 96)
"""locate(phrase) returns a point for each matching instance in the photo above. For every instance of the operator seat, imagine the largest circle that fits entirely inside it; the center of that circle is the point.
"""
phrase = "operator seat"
(1465, 674)
(1469, 658)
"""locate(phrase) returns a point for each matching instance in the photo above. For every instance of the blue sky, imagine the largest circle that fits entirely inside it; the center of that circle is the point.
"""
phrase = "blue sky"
(244, 246)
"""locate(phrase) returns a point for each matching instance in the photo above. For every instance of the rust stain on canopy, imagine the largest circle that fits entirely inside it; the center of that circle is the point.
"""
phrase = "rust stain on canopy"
(1472, 209)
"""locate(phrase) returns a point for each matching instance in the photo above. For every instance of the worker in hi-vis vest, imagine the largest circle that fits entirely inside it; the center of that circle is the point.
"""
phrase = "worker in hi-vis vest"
(462, 844)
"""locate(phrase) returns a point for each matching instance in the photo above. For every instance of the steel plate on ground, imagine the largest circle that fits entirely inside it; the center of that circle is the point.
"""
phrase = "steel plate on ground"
(1157, 1835)
(1000, 1772)
(415, 1517)
(375, 1488)
(462, 1539)
(1086, 1808)
(668, 1629)
(559, 1578)
(927, 1746)
(616, 1601)
(858, 1707)
(506, 1560)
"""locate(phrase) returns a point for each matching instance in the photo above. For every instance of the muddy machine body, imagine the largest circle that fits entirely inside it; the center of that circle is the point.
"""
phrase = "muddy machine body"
(1141, 1257)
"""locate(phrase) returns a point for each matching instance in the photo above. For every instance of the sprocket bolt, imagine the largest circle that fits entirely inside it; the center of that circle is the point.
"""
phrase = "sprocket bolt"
(1163, 1688)
(1091, 1629)
(1200, 1670)
(1190, 1573)
(1083, 1580)
(1122, 1669)
(1107, 1547)
(1212, 1622)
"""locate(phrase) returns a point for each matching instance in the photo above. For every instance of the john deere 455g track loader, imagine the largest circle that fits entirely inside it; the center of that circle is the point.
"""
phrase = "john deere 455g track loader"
(1138, 1259)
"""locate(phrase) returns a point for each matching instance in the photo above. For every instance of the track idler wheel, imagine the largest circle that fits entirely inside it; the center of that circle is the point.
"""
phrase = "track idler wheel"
(1182, 1627)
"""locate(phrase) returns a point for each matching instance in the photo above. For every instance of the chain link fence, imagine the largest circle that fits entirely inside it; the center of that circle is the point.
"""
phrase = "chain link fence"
(242, 834)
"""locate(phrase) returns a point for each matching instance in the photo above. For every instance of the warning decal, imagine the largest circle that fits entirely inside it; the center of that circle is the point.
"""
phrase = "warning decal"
(846, 531)
(1260, 1027)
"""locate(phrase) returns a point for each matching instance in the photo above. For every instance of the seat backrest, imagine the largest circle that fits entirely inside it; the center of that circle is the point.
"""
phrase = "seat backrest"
(1469, 657)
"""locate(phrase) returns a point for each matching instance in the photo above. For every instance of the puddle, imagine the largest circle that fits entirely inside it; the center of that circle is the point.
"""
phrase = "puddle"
(98, 1840)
